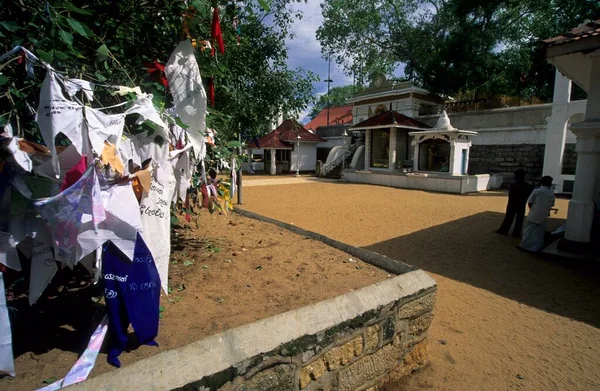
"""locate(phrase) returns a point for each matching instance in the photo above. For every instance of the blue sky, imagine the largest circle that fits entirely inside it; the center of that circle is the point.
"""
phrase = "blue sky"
(305, 51)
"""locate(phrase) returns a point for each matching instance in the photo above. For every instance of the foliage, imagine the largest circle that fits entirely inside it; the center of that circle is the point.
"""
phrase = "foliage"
(451, 46)
(108, 42)
(337, 96)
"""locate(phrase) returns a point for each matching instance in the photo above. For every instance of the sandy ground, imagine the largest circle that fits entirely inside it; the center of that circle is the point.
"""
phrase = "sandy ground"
(228, 272)
(504, 319)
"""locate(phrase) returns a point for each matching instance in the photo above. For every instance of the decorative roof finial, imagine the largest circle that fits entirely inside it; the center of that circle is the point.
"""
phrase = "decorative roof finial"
(444, 122)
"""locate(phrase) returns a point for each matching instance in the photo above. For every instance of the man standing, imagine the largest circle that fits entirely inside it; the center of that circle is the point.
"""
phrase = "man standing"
(540, 202)
(517, 199)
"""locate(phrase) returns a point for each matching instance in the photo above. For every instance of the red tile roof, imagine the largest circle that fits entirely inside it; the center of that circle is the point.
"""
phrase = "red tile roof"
(340, 115)
(590, 29)
(387, 119)
(286, 134)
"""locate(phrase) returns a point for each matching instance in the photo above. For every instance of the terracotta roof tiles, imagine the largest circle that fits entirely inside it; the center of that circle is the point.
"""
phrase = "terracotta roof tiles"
(589, 29)
(387, 119)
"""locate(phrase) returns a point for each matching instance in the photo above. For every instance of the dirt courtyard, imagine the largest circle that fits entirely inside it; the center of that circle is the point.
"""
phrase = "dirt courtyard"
(504, 319)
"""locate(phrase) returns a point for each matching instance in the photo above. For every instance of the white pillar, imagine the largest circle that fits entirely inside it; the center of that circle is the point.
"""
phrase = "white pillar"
(273, 163)
(556, 132)
(581, 206)
(415, 144)
(453, 165)
(367, 149)
(392, 153)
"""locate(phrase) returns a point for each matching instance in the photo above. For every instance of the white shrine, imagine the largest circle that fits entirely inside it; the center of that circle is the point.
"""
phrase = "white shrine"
(439, 160)
(451, 143)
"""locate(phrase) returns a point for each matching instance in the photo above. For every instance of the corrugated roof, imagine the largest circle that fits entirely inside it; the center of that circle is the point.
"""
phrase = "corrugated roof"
(339, 115)
(284, 135)
(386, 119)
(589, 29)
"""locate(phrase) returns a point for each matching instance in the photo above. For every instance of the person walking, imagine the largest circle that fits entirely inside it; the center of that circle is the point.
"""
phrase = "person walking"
(517, 199)
(540, 203)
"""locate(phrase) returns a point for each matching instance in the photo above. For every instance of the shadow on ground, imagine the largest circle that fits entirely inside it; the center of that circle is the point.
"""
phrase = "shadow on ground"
(565, 287)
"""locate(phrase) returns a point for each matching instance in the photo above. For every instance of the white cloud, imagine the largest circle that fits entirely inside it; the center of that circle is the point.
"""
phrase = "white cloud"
(304, 50)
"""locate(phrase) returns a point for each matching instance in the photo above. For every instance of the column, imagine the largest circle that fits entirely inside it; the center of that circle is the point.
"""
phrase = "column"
(556, 130)
(392, 153)
(453, 167)
(581, 206)
(415, 144)
(273, 163)
(368, 149)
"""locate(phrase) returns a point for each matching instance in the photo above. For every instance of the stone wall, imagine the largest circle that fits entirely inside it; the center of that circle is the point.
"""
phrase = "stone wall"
(366, 352)
(505, 159)
(357, 341)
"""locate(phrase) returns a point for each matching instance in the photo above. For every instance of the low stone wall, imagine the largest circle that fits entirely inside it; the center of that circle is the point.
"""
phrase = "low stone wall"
(505, 159)
(443, 183)
(353, 342)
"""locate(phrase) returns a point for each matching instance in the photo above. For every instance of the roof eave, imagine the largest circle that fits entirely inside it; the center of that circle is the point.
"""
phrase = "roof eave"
(385, 127)
(442, 132)
(585, 45)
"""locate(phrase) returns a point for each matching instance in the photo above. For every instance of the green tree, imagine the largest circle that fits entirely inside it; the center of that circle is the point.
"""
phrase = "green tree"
(452, 46)
(337, 96)
(108, 42)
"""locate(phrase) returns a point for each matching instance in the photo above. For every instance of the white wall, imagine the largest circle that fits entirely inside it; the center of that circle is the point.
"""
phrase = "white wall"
(308, 157)
(508, 126)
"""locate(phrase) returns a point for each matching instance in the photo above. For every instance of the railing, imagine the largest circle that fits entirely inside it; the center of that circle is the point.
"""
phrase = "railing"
(490, 104)
(338, 160)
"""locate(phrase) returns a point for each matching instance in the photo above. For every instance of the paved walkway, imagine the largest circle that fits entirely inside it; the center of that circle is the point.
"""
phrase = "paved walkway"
(249, 181)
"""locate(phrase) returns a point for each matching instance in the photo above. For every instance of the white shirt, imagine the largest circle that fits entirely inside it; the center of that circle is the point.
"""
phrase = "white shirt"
(542, 201)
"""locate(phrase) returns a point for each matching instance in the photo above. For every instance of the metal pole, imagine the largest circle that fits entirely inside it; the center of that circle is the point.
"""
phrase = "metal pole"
(239, 173)
(328, 82)
(298, 156)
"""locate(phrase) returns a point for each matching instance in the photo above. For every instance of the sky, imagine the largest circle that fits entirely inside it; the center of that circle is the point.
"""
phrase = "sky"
(304, 51)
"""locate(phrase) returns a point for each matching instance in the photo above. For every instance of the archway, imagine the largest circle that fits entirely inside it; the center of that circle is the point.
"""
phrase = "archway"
(434, 155)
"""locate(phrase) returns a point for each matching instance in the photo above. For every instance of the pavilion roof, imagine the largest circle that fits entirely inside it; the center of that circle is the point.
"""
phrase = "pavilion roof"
(390, 119)
(586, 30)
(285, 135)
(339, 115)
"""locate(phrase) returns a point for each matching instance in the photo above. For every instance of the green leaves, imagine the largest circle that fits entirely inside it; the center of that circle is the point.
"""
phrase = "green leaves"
(66, 36)
(10, 26)
(44, 55)
(102, 53)
(264, 5)
(78, 27)
(77, 10)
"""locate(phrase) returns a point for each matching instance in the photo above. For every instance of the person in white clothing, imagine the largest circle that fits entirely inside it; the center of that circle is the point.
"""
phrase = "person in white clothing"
(540, 203)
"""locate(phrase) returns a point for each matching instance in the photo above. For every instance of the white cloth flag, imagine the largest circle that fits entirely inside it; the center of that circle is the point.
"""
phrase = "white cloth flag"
(128, 150)
(67, 159)
(43, 265)
(56, 114)
(21, 158)
(183, 176)
(149, 148)
(7, 364)
(155, 209)
(103, 127)
(144, 107)
(120, 227)
(8, 251)
(73, 86)
(188, 93)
